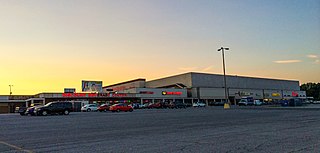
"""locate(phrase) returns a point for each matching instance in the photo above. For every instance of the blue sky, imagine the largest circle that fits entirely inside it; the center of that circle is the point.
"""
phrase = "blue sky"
(117, 40)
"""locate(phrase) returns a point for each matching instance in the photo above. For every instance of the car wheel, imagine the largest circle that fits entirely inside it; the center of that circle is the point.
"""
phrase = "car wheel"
(88, 110)
(118, 110)
(105, 110)
(130, 110)
(22, 114)
(44, 113)
(66, 112)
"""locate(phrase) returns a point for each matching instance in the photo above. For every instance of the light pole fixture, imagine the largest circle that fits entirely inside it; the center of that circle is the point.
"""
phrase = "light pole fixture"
(226, 104)
(10, 89)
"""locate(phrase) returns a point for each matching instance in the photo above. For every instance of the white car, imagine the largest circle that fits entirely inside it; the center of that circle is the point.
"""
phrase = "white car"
(89, 107)
(257, 102)
(316, 102)
(199, 104)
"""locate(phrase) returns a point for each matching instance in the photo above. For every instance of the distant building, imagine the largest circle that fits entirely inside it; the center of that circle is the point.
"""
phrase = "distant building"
(210, 87)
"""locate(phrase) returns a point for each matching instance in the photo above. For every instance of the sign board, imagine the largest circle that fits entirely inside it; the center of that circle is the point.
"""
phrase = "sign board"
(275, 94)
(295, 94)
(91, 86)
(94, 95)
(171, 93)
(69, 90)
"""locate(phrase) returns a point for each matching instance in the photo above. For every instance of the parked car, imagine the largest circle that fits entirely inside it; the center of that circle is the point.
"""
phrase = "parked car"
(89, 107)
(54, 108)
(218, 103)
(245, 101)
(22, 110)
(295, 102)
(121, 107)
(177, 105)
(258, 102)
(136, 105)
(316, 102)
(142, 106)
(155, 105)
(27, 110)
(30, 110)
(284, 102)
(199, 104)
(103, 108)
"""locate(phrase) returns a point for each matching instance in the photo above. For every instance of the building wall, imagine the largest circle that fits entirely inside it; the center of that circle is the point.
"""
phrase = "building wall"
(4, 97)
(216, 81)
(4, 108)
(9, 103)
(158, 93)
(211, 86)
(218, 93)
(193, 80)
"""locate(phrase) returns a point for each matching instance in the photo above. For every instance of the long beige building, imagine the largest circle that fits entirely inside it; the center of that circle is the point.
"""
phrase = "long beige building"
(210, 87)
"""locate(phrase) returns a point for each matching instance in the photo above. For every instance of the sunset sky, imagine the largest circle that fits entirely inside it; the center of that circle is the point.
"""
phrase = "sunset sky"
(47, 45)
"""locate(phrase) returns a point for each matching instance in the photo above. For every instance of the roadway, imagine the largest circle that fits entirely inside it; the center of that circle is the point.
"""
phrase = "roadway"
(210, 129)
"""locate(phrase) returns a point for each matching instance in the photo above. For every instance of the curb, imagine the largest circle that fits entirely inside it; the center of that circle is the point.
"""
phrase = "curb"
(282, 108)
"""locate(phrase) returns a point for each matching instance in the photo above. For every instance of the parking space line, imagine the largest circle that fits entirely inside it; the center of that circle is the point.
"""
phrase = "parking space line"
(15, 147)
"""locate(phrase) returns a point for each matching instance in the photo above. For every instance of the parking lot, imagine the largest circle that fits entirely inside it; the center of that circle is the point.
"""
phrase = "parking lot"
(209, 129)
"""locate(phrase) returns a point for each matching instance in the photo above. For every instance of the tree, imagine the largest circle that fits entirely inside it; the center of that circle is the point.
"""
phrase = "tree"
(312, 90)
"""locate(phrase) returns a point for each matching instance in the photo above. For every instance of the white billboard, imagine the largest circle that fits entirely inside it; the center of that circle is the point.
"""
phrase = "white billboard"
(91, 86)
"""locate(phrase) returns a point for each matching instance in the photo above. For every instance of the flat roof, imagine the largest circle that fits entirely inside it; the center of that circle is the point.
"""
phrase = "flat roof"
(135, 80)
(201, 73)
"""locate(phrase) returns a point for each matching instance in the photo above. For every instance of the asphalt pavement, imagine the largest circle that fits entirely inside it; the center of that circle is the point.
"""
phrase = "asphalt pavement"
(210, 129)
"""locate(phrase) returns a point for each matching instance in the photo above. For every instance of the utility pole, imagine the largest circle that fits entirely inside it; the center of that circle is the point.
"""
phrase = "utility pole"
(226, 104)
(10, 89)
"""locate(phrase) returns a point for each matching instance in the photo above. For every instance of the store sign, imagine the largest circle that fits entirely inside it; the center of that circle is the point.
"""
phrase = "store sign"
(294, 94)
(112, 95)
(242, 93)
(275, 94)
(90, 95)
(171, 93)
(75, 95)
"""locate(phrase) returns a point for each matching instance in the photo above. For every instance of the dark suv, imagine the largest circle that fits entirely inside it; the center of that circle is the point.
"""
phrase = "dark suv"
(177, 104)
(54, 108)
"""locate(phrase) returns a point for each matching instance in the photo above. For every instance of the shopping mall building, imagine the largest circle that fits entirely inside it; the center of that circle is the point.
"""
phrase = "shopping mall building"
(187, 87)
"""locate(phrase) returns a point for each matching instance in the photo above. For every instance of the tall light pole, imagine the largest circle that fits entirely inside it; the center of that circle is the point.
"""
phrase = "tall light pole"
(10, 89)
(226, 104)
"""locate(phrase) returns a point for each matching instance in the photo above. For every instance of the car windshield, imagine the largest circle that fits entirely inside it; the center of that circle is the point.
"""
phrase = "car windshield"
(48, 104)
